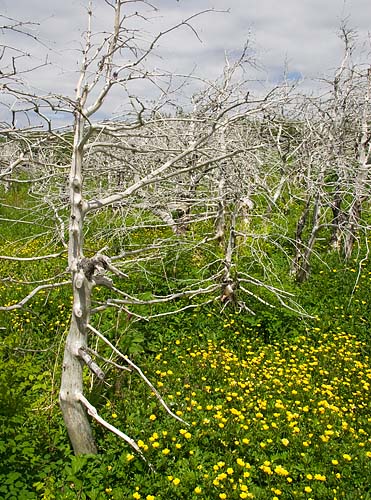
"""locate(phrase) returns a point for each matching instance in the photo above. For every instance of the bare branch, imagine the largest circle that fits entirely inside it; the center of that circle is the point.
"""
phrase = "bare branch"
(24, 301)
(30, 259)
(109, 361)
(92, 411)
(138, 370)
(90, 363)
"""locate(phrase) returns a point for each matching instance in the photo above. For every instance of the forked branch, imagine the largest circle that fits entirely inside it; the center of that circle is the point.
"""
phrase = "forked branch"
(28, 297)
(137, 369)
(92, 411)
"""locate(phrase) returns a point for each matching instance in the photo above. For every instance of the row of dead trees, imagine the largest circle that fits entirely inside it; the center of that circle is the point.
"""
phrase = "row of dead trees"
(239, 163)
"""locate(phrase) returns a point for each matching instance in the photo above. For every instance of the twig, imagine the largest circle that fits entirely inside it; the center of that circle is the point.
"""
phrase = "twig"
(92, 411)
(90, 363)
(136, 368)
(106, 360)
(20, 304)
(41, 257)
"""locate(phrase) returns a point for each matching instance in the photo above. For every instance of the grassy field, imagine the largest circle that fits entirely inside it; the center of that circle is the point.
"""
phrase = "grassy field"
(276, 406)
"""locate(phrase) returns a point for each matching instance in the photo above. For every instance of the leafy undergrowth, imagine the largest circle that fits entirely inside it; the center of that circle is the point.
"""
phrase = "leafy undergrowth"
(267, 420)
(278, 407)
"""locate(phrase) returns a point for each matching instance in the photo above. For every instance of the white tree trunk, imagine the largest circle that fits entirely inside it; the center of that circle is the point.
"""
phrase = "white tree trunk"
(74, 414)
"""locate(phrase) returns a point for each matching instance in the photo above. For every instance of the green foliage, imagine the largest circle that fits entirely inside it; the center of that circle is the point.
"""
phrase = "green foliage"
(278, 405)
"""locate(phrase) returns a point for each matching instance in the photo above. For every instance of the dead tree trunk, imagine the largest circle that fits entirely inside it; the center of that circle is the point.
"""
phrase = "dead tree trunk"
(364, 153)
(74, 414)
(299, 244)
(229, 284)
(337, 220)
(303, 269)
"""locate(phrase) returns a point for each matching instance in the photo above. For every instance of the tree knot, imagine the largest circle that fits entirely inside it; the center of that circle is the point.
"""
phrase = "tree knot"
(95, 266)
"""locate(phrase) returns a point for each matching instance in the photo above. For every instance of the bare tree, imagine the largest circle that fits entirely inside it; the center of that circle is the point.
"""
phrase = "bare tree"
(114, 62)
(170, 172)
(333, 161)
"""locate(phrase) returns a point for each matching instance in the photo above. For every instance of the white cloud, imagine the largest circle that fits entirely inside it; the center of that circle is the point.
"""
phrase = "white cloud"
(301, 32)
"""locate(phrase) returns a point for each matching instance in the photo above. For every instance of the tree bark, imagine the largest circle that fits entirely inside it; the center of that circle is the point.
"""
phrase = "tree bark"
(74, 414)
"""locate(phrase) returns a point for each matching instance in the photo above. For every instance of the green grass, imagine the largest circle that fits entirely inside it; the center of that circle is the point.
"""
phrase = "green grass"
(278, 407)
(285, 419)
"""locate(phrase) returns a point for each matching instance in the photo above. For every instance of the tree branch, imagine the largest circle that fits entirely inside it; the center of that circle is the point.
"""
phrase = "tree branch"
(92, 411)
(20, 304)
(138, 370)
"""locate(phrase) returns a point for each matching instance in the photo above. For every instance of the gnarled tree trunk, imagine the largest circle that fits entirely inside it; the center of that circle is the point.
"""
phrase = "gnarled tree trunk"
(74, 413)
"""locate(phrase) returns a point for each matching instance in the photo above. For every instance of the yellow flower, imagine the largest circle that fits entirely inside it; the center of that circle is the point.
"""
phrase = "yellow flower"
(266, 469)
(307, 489)
(281, 471)
(129, 457)
(136, 495)
(285, 441)
(223, 496)
(334, 462)
(150, 497)
(176, 481)
(347, 457)
(152, 417)
(114, 415)
(165, 451)
(197, 490)
(276, 491)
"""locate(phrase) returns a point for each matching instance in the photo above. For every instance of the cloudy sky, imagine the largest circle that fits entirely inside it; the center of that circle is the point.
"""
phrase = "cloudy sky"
(299, 33)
